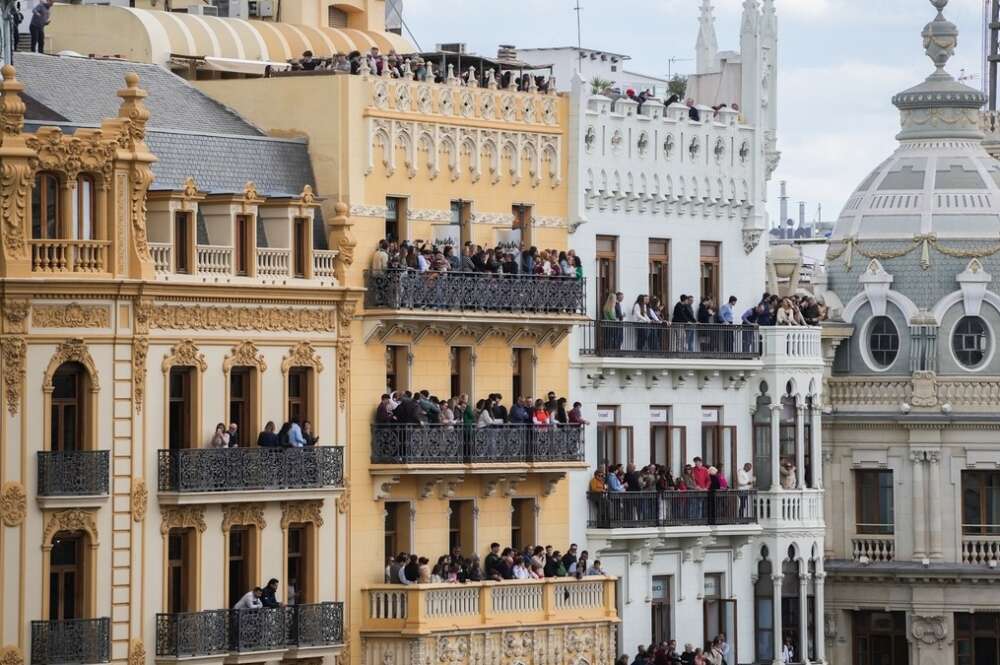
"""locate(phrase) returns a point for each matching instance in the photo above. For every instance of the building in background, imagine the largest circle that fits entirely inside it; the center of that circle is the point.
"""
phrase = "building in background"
(910, 451)
(668, 205)
(568, 61)
(163, 273)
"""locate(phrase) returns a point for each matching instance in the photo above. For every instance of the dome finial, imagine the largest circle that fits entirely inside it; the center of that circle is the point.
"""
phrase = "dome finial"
(940, 37)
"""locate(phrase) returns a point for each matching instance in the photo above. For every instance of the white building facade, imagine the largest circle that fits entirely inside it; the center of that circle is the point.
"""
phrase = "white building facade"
(666, 206)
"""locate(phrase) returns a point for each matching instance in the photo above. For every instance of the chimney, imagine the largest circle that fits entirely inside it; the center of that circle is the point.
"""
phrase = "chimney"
(802, 214)
(783, 218)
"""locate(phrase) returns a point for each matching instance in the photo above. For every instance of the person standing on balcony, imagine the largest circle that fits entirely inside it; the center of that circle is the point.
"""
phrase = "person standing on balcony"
(221, 437)
(251, 600)
(410, 573)
(575, 415)
(234, 439)
(268, 438)
(788, 475)
(491, 559)
(295, 438)
(269, 597)
(519, 413)
(41, 16)
(384, 414)
(744, 483)
(640, 315)
(614, 482)
(499, 410)
(596, 570)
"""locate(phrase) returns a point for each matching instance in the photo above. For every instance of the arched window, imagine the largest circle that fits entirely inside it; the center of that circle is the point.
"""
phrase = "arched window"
(70, 392)
(971, 341)
(84, 209)
(66, 576)
(883, 341)
(45, 207)
(764, 610)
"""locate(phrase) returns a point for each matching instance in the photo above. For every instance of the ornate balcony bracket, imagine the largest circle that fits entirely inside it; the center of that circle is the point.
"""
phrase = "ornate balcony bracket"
(383, 486)
(510, 487)
(549, 483)
(445, 487)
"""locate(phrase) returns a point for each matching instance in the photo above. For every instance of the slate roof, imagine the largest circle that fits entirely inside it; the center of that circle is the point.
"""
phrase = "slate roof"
(83, 91)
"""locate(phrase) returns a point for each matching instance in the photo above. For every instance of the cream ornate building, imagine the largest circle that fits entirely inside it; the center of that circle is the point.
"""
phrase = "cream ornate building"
(910, 453)
(159, 279)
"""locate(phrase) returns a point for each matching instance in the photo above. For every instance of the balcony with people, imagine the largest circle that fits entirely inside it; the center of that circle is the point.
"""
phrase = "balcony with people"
(419, 431)
(501, 280)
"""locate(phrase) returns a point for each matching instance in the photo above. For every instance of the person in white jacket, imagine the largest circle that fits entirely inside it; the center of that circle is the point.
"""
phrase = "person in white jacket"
(640, 315)
(485, 418)
(250, 600)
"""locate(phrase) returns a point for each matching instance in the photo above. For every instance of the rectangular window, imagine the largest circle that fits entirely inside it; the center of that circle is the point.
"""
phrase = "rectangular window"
(522, 223)
(667, 443)
(397, 529)
(981, 503)
(710, 270)
(522, 523)
(461, 526)
(180, 409)
(84, 209)
(45, 207)
(66, 561)
(607, 268)
(242, 562)
(181, 574)
(241, 401)
(395, 218)
(299, 398)
(461, 371)
(243, 245)
(523, 378)
(461, 215)
(300, 246)
(661, 609)
(977, 638)
(67, 410)
(301, 567)
(874, 501)
(614, 442)
(397, 368)
(880, 637)
(336, 18)
(659, 270)
(718, 442)
(182, 243)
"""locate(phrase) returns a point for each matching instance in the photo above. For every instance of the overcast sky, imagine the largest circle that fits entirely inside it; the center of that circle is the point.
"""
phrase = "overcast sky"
(840, 62)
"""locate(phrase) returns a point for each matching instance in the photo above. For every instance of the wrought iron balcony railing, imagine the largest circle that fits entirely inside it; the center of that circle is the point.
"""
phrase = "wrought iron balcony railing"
(628, 339)
(460, 444)
(71, 641)
(624, 510)
(240, 469)
(73, 472)
(213, 632)
(486, 292)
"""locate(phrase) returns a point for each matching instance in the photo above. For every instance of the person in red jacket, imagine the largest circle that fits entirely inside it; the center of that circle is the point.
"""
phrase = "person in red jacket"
(700, 474)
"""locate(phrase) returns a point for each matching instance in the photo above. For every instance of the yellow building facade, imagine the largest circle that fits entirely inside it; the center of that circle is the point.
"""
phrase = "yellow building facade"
(133, 321)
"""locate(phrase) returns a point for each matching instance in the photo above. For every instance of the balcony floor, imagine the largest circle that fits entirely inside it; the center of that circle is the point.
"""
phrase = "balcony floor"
(244, 496)
(663, 532)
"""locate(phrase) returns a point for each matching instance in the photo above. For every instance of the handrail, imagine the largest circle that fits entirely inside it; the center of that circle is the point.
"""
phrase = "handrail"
(251, 468)
(394, 443)
(670, 340)
(624, 510)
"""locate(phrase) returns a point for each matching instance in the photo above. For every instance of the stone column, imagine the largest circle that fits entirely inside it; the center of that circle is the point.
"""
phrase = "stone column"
(820, 622)
(934, 462)
(816, 446)
(800, 447)
(803, 645)
(778, 638)
(775, 447)
(918, 512)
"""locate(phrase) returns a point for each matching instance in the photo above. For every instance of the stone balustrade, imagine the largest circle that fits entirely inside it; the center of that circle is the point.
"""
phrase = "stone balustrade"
(426, 608)
(54, 256)
(792, 346)
(214, 259)
(873, 549)
(980, 550)
(790, 508)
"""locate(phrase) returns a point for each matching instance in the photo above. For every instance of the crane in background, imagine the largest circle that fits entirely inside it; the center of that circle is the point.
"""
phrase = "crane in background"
(991, 49)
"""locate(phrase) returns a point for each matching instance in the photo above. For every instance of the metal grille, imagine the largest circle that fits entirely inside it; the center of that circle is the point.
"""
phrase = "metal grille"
(408, 289)
(622, 510)
(676, 340)
(73, 472)
(235, 469)
(71, 641)
(460, 444)
(214, 632)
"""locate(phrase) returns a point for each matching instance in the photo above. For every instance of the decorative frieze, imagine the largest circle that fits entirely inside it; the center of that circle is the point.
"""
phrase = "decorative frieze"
(258, 319)
(72, 351)
(12, 352)
(244, 354)
(72, 315)
(301, 512)
(184, 354)
(138, 499)
(72, 519)
(182, 517)
(140, 351)
(302, 355)
(343, 370)
(243, 514)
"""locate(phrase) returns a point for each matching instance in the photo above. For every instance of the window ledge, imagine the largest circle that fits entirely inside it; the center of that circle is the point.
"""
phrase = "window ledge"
(244, 496)
(72, 501)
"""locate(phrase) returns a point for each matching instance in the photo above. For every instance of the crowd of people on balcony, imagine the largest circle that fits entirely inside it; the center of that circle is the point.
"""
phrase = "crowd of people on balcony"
(423, 257)
(415, 67)
(292, 434)
(716, 652)
(499, 565)
(696, 476)
(422, 408)
(793, 310)
(770, 310)
(266, 596)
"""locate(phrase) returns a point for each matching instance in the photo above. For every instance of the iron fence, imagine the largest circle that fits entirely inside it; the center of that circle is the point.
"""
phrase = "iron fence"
(410, 289)
(73, 472)
(235, 469)
(467, 444)
(675, 340)
(71, 641)
(623, 510)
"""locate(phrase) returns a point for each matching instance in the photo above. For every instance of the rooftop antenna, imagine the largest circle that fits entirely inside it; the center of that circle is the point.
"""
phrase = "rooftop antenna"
(579, 41)
(670, 64)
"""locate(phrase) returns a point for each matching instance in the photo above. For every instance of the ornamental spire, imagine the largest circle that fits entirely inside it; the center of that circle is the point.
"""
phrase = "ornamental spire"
(707, 46)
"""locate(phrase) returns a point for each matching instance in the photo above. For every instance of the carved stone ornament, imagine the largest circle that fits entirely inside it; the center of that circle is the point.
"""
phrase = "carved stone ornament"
(302, 355)
(184, 354)
(345, 312)
(140, 351)
(250, 196)
(13, 503)
(12, 352)
(15, 313)
(751, 238)
(924, 391)
(72, 315)
(344, 500)
(182, 517)
(876, 282)
(11, 655)
(244, 354)
(138, 499)
(136, 652)
(973, 280)
(243, 514)
(72, 351)
(258, 319)
(71, 519)
(929, 629)
(343, 370)
(301, 512)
